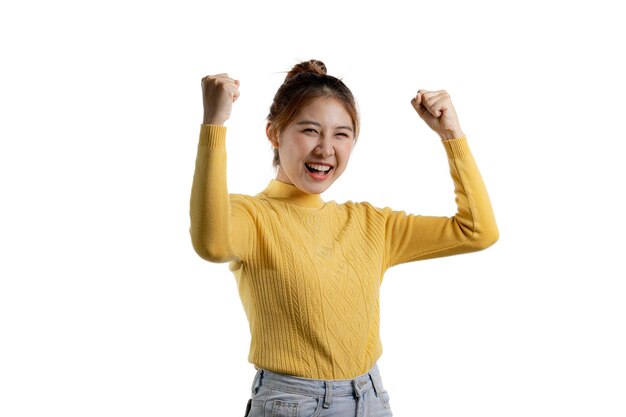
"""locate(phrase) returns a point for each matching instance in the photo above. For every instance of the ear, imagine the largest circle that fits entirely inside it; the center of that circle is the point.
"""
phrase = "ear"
(271, 135)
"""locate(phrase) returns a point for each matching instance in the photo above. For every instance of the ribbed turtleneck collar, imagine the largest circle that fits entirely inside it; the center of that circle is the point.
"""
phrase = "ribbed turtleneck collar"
(290, 193)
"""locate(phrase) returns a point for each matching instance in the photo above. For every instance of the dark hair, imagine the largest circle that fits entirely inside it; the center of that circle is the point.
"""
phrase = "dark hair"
(305, 82)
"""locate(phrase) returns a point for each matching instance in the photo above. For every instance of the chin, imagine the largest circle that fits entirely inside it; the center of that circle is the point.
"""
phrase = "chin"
(315, 188)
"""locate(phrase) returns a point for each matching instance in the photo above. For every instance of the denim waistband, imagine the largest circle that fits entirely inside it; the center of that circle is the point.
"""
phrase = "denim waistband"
(318, 387)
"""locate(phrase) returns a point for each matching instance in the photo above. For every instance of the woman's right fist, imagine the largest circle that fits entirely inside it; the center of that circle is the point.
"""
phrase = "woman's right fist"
(219, 92)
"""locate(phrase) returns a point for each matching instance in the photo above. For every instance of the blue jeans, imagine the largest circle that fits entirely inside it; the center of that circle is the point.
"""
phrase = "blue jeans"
(278, 395)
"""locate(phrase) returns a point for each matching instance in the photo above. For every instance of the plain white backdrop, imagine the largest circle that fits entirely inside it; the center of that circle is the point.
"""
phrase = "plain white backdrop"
(105, 310)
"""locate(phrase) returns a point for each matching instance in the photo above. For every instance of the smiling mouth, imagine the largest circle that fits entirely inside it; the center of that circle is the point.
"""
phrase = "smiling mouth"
(318, 171)
(318, 168)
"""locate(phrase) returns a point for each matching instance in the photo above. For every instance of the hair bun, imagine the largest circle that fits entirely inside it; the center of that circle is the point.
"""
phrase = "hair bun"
(312, 65)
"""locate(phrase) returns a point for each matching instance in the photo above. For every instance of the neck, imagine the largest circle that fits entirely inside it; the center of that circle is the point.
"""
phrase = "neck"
(280, 190)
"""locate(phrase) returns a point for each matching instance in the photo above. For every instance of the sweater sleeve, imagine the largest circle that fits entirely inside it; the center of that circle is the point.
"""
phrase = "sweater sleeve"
(473, 227)
(221, 224)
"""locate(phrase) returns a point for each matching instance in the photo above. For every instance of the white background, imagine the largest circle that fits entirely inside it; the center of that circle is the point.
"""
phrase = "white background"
(105, 310)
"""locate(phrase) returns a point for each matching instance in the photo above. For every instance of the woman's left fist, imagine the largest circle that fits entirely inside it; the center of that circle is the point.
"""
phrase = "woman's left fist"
(436, 109)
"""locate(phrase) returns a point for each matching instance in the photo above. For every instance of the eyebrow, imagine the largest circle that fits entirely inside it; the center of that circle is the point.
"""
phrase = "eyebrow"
(311, 122)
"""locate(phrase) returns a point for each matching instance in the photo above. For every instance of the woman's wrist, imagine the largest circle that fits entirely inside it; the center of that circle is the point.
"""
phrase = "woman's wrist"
(212, 121)
(452, 134)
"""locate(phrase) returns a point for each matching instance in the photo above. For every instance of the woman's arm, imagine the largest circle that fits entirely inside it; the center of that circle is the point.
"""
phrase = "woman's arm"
(473, 227)
(210, 208)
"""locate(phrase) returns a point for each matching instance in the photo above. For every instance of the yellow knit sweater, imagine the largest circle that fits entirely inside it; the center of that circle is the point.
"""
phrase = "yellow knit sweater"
(309, 271)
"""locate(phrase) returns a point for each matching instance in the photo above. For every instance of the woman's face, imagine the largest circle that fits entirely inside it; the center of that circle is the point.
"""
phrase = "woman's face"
(315, 147)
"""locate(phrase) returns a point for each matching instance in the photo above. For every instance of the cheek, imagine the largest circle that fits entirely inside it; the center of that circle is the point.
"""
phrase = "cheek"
(289, 153)
(346, 150)
(296, 149)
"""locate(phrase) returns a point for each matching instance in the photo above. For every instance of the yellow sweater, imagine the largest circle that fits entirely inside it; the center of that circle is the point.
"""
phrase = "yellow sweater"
(309, 271)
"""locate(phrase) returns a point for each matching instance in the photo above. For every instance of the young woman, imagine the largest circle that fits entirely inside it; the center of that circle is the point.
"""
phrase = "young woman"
(309, 271)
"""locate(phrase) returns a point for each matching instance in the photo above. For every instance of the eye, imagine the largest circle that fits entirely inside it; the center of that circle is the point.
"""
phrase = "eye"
(310, 130)
(343, 135)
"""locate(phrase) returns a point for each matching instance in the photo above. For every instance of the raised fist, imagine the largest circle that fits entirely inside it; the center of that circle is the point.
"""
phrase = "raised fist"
(436, 109)
(219, 92)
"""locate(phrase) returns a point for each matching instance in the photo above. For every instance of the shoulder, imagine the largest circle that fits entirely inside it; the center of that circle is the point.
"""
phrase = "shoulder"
(242, 199)
(243, 203)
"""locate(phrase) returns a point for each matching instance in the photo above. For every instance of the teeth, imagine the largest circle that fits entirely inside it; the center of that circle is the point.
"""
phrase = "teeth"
(324, 168)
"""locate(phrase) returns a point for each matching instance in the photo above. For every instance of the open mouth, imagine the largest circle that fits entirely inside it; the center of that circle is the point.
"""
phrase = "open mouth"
(318, 169)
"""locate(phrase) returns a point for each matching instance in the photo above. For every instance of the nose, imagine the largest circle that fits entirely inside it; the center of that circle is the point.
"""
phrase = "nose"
(325, 147)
